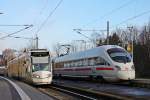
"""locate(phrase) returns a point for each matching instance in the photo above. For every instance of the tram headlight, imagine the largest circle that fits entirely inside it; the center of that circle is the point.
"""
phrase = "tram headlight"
(35, 76)
(118, 67)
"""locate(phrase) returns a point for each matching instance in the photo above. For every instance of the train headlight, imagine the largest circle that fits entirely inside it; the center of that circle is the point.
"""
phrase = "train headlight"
(118, 68)
(133, 67)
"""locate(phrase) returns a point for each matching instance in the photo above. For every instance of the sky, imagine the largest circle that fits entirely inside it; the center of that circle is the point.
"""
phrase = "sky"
(70, 14)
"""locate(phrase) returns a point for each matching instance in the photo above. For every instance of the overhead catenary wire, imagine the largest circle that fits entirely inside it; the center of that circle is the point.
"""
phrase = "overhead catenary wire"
(41, 12)
(131, 18)
(17, 37)
(111, 12)
(50, 14)
(36, 19)
(15, 25)
(16, 32)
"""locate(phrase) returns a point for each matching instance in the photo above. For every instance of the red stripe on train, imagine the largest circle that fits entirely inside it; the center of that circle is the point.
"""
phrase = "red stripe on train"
(104, 68)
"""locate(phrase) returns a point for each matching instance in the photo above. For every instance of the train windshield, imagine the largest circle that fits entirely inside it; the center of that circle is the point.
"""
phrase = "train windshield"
(40, 67)
(119, 55)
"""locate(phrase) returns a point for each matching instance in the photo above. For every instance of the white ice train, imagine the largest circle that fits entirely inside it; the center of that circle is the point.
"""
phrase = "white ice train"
(33, 67)
(110, 62)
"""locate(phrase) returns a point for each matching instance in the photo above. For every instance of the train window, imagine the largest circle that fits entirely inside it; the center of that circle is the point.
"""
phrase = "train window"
(65, 64)
(85, 62)
(71, 64)
(91, 62)
(101, 61)
(68, 64)
(61, 64)
(55, 65)
(80, 63)
(76, 64)
(119, 55)
(114, 50)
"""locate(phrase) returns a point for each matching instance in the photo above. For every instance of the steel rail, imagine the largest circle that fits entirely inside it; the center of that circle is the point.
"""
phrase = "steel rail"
(94, 95)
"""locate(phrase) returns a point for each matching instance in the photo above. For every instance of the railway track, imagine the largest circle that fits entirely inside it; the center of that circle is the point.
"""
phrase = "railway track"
(139, 82)
(105, 90)
(56, 93)
(61, 92)
(89, 94)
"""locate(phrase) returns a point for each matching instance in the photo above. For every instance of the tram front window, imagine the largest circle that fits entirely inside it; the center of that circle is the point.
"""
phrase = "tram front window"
(40, 67)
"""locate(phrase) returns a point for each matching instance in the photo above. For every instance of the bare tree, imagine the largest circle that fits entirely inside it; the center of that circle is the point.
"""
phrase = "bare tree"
(136, 33)
(8, 55)
(57, 49)
(97, 39)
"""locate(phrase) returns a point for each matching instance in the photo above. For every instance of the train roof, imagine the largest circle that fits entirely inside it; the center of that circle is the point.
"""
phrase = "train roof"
(94, 52)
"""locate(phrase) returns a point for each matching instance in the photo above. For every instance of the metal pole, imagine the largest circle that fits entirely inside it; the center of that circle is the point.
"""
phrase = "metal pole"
(133, 42)
(130, 29)
(107, 32)
(36, 39)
